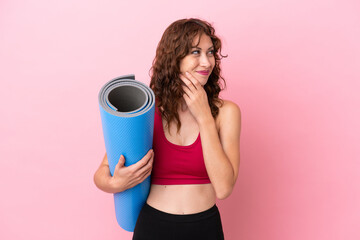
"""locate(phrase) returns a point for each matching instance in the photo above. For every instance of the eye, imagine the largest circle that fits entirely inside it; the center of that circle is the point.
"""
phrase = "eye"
(195, 52)
(211, 52)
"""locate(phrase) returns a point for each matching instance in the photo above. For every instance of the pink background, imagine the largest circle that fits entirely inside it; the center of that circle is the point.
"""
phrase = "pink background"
(293, 68)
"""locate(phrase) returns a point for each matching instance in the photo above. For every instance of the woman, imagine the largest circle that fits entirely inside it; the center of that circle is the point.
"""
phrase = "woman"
(196, 140)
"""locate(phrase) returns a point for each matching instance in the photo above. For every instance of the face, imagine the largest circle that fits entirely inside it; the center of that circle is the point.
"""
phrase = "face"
(200, 61)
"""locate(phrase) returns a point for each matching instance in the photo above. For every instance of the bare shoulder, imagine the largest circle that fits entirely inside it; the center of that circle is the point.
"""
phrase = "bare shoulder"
(229, 111)
(229, 118)
(229, 123)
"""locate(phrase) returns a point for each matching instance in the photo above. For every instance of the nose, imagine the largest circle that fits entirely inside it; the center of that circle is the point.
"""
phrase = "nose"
(205, 61)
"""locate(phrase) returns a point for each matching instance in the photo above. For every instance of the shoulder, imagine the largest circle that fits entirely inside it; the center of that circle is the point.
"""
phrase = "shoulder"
(229, 130)
(229, 109)
(229, 114)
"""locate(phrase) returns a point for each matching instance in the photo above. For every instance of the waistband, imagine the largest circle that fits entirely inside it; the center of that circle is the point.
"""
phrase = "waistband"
(194, 217)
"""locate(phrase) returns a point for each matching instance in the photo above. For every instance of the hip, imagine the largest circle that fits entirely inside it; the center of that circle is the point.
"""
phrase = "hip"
(155, 224)
(182, 199)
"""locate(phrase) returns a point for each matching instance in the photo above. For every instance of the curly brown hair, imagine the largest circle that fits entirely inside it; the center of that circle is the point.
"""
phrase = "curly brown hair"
(174, 45)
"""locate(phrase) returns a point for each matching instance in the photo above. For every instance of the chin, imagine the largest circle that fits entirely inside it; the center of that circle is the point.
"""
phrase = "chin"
(205, 82)
(203, 79)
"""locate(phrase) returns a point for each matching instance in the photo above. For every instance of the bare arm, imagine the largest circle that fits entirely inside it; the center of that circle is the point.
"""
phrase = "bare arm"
(124, 177)
(220, 150)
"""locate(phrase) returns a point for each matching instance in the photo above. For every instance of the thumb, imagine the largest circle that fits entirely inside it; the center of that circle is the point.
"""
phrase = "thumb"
(121, 162)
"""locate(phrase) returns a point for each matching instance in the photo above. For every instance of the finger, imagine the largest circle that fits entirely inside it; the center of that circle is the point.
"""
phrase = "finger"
(193, 80)
(140, 164)
(121, 162)
(187, 91)
(188, 82)
(132, 184)
(186, 98)
(140, 179)
(145, 169)
(144, 176)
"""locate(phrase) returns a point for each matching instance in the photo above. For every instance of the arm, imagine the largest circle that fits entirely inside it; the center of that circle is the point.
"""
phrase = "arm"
(221, 151)
(124, 177)
(221, 155)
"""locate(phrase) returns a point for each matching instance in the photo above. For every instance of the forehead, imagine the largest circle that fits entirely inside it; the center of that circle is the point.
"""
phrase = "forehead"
(202, 41)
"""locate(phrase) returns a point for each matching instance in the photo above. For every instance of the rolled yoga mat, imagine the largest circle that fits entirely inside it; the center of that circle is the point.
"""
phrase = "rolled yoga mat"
(127, 111)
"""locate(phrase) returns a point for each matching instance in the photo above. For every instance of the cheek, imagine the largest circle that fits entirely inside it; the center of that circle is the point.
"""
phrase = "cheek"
(188, 66)
(213, 63)
(194, 64)
(181, 68)
(184, 65)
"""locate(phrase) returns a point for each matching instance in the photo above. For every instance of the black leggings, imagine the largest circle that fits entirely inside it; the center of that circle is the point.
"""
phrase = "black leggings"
(153, 224)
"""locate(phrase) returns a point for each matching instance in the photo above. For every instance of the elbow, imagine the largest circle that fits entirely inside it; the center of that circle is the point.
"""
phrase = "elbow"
(224, 192)
(225, 189)
(96, 180)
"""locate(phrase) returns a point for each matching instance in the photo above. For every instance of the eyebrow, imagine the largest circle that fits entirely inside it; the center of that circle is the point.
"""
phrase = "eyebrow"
(200, 48)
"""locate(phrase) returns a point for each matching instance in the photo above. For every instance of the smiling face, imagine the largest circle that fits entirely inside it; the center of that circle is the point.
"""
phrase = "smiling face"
(200, 61)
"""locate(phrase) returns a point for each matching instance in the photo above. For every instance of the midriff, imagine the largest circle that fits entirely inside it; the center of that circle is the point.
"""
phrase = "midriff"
(182, 199)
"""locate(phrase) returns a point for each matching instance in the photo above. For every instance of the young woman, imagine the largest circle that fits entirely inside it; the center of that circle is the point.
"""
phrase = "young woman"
(195, 157)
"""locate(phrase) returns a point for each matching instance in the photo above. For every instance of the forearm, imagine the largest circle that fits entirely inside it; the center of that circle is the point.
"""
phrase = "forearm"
(217, 164)
(124, 177)
(103, 180)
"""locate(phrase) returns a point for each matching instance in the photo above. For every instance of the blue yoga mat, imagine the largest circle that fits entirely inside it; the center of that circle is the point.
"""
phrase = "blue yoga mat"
(127, 109)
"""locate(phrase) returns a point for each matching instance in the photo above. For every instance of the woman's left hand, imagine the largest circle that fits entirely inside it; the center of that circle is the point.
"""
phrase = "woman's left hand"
(195, 97)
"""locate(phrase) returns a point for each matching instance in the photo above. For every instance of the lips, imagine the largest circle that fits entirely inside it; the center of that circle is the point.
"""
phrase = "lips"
(205, 73)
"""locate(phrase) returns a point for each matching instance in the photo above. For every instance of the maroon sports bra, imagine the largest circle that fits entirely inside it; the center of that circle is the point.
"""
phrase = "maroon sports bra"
(176, 164)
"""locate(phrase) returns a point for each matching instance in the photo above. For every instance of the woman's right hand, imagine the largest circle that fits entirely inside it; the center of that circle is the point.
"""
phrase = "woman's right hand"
(123, 177)
(128, 177)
